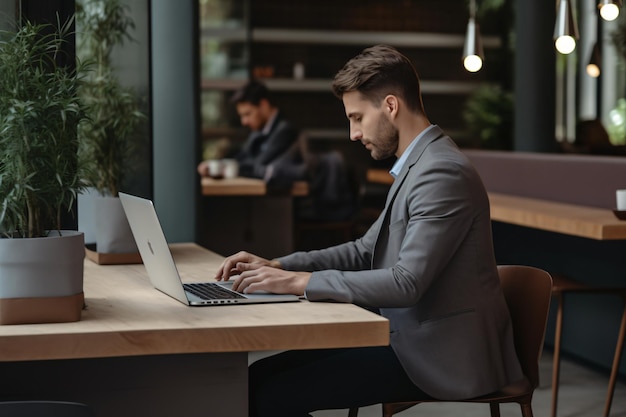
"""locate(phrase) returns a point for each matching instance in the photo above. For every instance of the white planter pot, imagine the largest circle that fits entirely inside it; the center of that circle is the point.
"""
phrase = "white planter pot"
(113, 234)
(104, 223)
(87, 214)
(41, 279)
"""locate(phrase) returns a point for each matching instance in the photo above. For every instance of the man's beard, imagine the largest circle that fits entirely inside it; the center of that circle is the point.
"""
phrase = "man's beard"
(387, 138)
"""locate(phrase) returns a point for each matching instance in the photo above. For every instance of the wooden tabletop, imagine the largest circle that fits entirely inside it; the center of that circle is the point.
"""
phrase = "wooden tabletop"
(379, 176)
(569, 219)
(241, 186)
(126, 316)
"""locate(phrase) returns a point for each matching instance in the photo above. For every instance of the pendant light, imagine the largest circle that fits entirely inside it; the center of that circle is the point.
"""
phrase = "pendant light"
(565, 29)
(473, 53)
(593, 67)
(609, 9)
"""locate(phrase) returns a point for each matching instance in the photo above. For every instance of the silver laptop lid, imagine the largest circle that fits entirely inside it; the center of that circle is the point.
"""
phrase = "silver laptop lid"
(153, 247)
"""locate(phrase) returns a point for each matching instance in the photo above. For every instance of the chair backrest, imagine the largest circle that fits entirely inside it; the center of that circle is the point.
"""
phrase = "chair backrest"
(527, 291)
(44, 409)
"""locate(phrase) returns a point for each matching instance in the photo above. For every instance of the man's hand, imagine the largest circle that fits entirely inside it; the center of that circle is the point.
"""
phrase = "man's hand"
(257, 277)
(203, 169)
(239, 262)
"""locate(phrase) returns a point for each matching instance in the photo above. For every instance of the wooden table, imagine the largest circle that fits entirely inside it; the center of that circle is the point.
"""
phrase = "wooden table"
(241, 186)
(137, 351)
(243, 214)
(379, 176)
(569, 219)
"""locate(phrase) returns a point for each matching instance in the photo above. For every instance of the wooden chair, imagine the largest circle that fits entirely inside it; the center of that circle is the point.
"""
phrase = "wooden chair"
(563, 285)
(528, 292)
(44, 409)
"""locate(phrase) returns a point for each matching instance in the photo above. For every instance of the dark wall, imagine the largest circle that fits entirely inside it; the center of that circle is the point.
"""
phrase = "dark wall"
(46, 11)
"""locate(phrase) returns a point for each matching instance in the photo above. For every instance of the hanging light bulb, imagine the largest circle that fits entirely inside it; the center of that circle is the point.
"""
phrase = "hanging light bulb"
(609, 9)
(593, 67)
(565, 30)
(473, 49)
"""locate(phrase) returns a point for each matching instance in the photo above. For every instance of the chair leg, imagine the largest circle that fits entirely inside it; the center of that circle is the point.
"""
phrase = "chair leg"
(616, 360)
(494, 408)
(353, 412)
(527, 409)
(388, 410)
(556, 361)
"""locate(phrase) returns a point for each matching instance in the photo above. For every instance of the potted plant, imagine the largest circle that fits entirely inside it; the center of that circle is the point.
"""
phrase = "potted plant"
(488, 114)
(109, 137)
(40, 176)
(616, 122)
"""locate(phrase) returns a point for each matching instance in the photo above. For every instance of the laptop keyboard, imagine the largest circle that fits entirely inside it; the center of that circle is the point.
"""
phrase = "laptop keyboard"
(211, 291)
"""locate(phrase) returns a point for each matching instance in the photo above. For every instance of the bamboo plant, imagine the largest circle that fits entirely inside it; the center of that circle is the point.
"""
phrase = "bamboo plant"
(40, 174)
(110, 136)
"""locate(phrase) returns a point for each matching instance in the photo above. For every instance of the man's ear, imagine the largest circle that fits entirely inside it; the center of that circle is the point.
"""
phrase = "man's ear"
(391, 105)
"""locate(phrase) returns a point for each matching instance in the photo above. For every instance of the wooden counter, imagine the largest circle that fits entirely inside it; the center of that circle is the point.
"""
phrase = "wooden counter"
(569, 219)
(245, 187)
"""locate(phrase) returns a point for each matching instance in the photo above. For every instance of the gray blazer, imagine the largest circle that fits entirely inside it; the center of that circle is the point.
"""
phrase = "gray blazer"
(428, 265)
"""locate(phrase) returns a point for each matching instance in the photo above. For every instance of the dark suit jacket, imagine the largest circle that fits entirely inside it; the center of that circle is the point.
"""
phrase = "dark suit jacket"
(428, 265)
(261, 150)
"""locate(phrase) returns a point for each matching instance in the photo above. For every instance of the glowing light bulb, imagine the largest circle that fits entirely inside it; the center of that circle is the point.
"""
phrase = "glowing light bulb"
(593, 70)
(609, 11)
(565, 44)
(473, 63)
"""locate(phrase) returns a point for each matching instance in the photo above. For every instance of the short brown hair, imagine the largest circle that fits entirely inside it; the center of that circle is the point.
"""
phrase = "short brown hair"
(378, 71)
(253, 92)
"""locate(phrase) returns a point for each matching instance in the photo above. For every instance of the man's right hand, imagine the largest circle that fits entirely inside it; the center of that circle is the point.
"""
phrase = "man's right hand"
(203, 169)
(234, 264)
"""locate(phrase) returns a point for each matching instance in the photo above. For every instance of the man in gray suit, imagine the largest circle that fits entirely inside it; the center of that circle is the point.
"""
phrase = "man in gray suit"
(427, 264)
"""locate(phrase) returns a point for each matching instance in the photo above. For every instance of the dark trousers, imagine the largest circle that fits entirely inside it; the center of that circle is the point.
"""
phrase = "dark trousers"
(295, 383)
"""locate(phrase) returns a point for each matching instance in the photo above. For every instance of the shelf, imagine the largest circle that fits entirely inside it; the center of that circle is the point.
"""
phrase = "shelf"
(324, 85)
(223, 84)
(327, 134)
(288, 84)
(225, 34)
(339, 37)
(405, 39)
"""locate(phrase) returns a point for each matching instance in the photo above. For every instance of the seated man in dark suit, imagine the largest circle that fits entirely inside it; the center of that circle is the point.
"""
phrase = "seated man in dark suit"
(271, 150)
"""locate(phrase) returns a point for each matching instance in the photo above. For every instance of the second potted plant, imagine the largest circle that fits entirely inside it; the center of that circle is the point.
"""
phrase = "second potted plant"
(110, 135)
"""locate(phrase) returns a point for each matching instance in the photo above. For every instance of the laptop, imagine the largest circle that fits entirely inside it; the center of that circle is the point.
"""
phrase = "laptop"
(162, 270)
